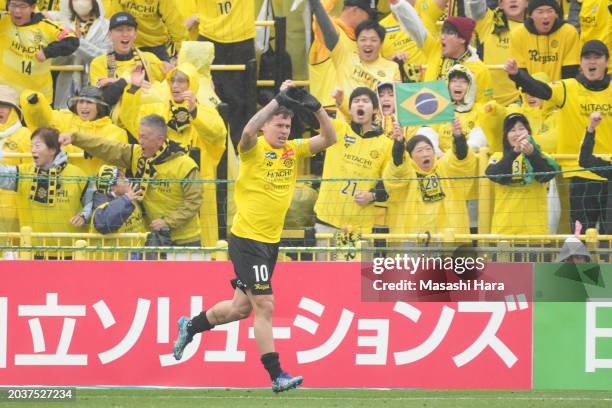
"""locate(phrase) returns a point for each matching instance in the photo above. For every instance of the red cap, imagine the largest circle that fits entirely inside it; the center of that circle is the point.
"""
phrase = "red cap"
(463, 25)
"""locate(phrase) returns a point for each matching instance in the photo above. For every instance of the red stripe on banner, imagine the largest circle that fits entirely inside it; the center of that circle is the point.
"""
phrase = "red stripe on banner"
(106, 323)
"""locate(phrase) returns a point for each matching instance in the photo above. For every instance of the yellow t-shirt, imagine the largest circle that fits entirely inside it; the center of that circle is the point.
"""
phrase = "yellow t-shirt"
(576, 103)
(158, 20)
(351, 156)
(264, 188)
(397, 40)
(438, 66)
(227, 21)
(596, 22)
(352, 72)
(18, 47)
(545, 53)
(496, 52)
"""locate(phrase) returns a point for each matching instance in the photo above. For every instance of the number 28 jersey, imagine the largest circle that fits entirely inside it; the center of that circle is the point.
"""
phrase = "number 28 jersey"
(352, 156)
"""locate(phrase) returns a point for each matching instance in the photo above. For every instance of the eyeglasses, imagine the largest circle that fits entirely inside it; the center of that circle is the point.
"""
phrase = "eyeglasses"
(18, 6)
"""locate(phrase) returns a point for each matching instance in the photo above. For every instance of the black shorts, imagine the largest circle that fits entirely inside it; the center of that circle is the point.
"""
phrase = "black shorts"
(254, 262)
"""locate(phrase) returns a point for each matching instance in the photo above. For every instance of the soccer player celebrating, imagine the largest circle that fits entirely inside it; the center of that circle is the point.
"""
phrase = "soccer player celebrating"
(267, 178)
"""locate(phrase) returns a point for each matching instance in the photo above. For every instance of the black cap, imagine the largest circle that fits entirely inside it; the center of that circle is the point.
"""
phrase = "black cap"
(595, 47)
(369, 6)
(122, 18)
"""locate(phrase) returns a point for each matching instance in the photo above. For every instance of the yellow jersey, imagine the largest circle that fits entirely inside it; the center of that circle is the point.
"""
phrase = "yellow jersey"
(496, 51)
(18, 47)
(264, 188)
(356, 156)
(545, 53)
(576, 103)
(227, 21)
(352, 72)
(159, 21)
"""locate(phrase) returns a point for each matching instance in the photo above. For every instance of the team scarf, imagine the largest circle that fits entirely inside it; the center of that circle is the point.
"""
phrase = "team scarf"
(111, 63)
(145, 167)
(46, 184)
(500, 22)
(83, 26)
(180, 119)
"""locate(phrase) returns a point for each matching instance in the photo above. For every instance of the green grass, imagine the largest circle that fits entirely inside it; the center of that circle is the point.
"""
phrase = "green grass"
(319, 398)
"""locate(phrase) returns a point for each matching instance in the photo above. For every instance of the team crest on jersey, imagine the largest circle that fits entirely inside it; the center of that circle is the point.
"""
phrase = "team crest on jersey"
(554, 43)
(38, 37)
(381, 73)
(287, 154)
(349, 140)
(288, 163)
(41, 193)
(374, 154)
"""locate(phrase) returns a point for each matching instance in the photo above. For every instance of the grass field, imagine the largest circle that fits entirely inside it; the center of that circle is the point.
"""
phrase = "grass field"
(173, 398)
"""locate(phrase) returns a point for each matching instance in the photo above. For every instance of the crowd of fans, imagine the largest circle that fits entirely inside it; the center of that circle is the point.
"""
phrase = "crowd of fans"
(527, 80)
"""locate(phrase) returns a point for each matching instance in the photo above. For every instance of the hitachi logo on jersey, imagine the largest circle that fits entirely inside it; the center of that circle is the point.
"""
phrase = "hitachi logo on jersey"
(364, 77)
(22, 49)
(271, 155)
(588, 108)
(142, 9)
(534, 55)
(356, 159)
(279, 173)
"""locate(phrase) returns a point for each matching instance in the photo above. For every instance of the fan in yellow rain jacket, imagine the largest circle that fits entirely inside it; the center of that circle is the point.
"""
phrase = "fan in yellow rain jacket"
(88, 114)
(197, 128)
(14, 138)
(432, 201)
(28, 43)
(520, 196)
(159, 22)
(542, 116)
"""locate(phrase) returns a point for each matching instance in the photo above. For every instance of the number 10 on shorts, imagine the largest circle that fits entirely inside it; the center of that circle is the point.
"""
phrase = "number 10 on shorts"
(261, 273)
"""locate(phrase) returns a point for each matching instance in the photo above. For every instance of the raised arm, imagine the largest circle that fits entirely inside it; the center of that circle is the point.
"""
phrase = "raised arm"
(530, 85)
(251, 129)
(330, 36)
(475, 9)
(587, 159)
(409, 20)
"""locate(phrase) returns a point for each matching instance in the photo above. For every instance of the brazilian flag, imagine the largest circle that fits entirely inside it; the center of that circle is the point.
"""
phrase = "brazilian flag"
(423, 103)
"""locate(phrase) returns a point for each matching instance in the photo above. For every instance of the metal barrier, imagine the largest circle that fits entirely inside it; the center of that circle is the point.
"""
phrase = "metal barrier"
(491, 247)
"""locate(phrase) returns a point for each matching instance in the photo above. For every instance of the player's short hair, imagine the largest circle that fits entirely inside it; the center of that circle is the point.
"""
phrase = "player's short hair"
(370, 25)
(156, 122)
(281, 111)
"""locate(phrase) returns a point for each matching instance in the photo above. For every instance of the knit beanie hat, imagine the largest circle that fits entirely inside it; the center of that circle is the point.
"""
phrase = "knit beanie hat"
(534, 4)
(463, 25)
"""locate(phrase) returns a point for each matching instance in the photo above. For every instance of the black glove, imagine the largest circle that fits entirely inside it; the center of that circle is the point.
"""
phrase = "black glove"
(283, 99)
(305, 99)
(33, 99)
